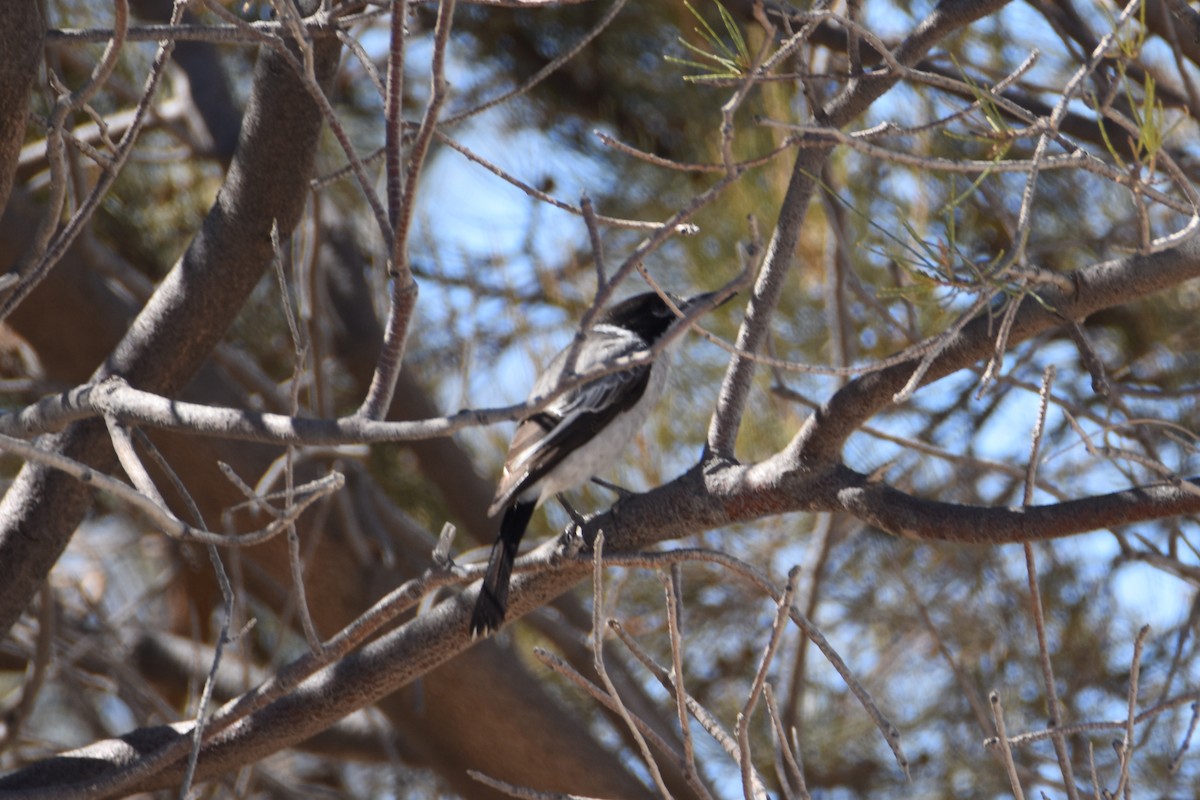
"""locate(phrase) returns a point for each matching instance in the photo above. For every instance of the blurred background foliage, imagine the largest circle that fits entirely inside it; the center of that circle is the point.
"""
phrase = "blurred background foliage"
(891, 253)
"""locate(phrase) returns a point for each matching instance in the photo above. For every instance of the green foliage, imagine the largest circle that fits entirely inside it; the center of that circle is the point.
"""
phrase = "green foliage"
(720, 59)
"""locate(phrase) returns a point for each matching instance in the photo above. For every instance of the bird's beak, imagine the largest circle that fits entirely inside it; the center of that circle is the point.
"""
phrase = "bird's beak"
(704, 299)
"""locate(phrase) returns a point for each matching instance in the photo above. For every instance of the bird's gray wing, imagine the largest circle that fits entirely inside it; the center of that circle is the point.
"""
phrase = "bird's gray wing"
(544, 438)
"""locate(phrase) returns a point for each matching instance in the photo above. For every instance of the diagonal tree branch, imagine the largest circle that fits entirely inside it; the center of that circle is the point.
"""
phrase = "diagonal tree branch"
(853, 101)
(1100, 286)
(179, 327)
(700, 500)
(22, 30)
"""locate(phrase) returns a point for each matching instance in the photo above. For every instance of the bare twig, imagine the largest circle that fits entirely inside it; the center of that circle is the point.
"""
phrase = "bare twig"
(402, 203)
(123, 444)
(1032, 737)
(935, 346)
(731, 106)
(393, 120)
(707, 721)
(681, 228)
(784, 605)
(794, 767)
(610, 701)
(1053, 707)
(1005, 750)
(1177, 760)
(593, 229)
(1001, 344)
(816, 554)
(756, 578)
(1125, 747)
(49, 248)
(167, 522)
(523, 792)
(247, 32)
(546, 71)
(300, 358)
(598, 629)
(318, 96)
(673, 589)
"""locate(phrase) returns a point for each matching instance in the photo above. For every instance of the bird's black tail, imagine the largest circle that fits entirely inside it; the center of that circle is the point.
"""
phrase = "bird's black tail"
(493, 595)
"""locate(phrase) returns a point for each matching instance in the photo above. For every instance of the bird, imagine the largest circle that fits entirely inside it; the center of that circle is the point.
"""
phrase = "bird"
(581, 432)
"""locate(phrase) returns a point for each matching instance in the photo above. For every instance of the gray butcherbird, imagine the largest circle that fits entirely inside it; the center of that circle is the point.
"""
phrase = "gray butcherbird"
(580, 433)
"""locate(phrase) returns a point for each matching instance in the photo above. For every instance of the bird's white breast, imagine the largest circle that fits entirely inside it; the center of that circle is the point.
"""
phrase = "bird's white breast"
(600, 452)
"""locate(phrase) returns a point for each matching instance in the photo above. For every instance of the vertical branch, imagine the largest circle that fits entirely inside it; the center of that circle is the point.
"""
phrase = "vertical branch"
(593, 229)
(1017, 258)
(122, 439)
(731, 106)
(393, 118)
(793, 766)
(889, 731)
(735, 388)
(416, 160)
(768, 289)
(1186, 744)
(673, 586)
(612, 702)
(1125, 748)
(1053, 706)
(602, 672)
(1092, 771)
(820, 541)
(837, 271)
(703, 716)
(816, 554)
(1038, 431)
(300, 353)
(1005, 747)
(401, 204)
(742, 728)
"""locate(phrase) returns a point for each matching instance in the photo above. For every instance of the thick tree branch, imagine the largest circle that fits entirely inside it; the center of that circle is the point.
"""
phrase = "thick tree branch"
(853, 101)
(807, 476)
(454, 694)
(680, 508)
(933, 521)
(1100, 286)
(691, 503)
(21, 33)
(187, 316)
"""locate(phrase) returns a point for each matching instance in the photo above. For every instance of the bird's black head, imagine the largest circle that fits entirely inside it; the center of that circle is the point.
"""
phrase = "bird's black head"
(648, 315)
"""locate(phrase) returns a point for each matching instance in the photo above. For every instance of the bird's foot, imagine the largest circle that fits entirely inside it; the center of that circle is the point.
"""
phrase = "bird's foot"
(571, 543)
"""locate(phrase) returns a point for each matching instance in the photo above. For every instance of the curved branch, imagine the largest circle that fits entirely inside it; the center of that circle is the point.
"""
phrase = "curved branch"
(691, 503)
(189, 312)
(934, 521)
(1096, 287)
(804, 477)
(858, 96)
(21, 33)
